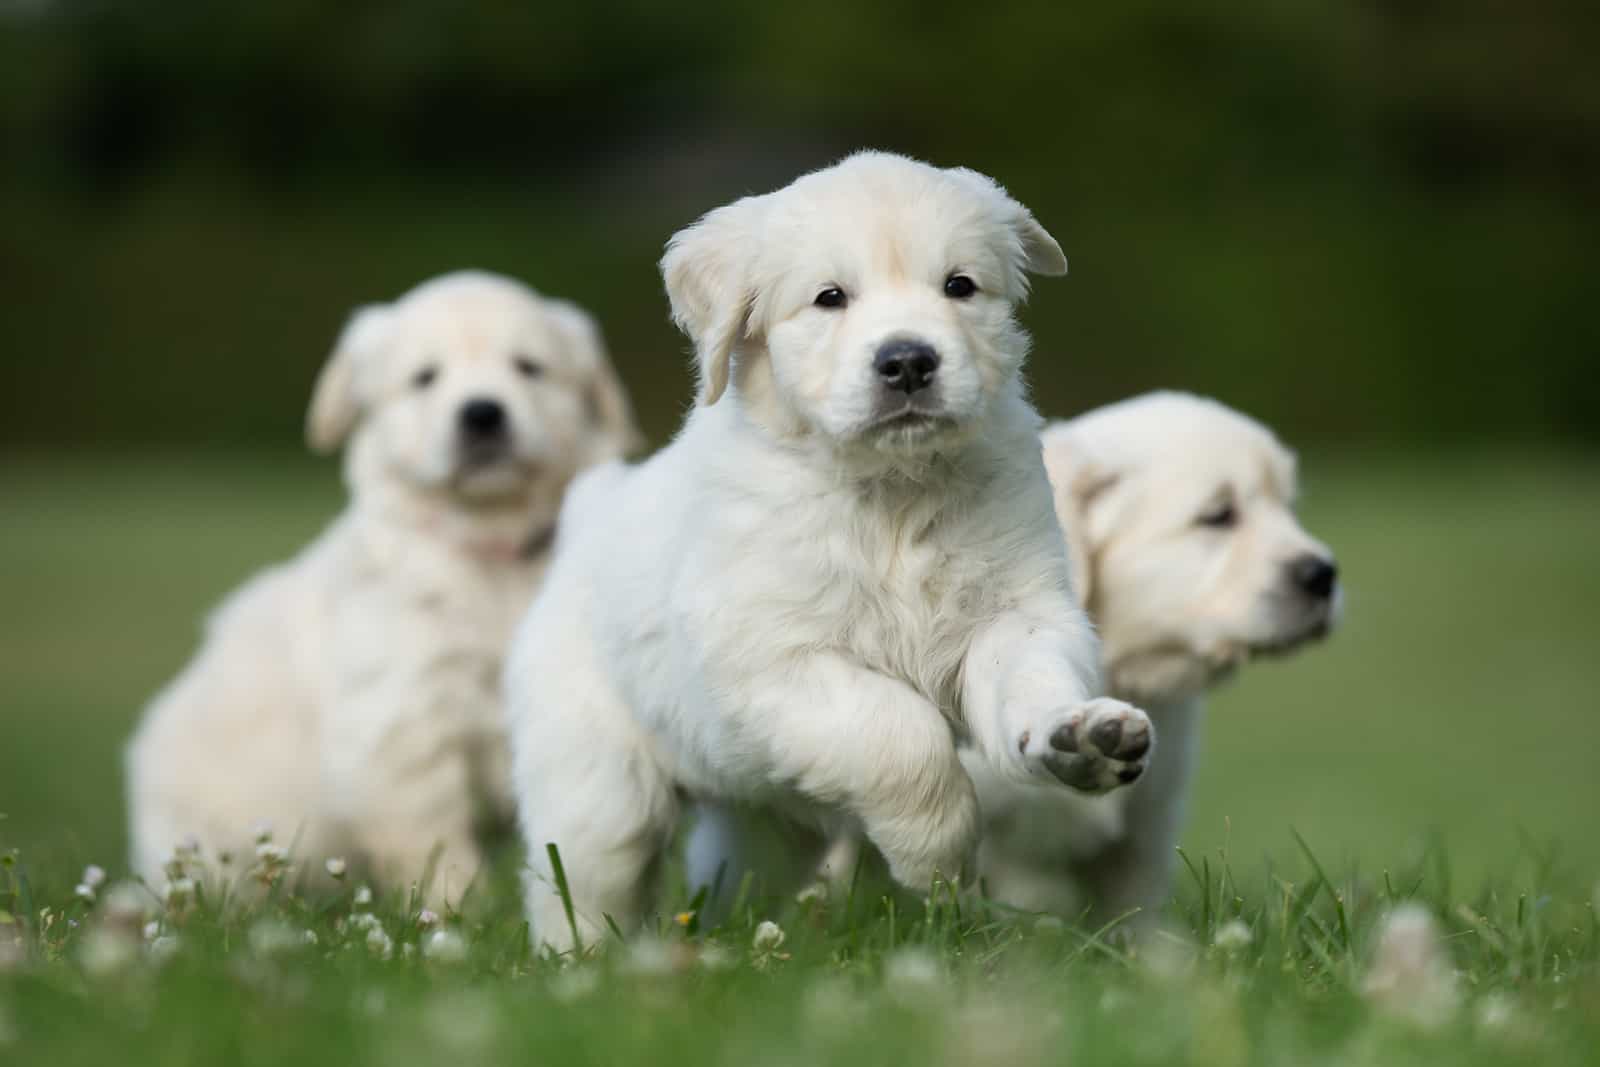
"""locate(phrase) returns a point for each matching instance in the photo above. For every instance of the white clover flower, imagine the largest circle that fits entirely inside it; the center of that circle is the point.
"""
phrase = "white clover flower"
(574, 984)
(274, 937)
(94, 876)
(335, 866)
(769, 937)
(379, 943)
(362, 897)
(649, 955)
(912, 973)
(125, 904)
(445, 946)
(714, 957)
(310, 938)
(1410, 977)
(84, 892)
(366, 921)
(106, 950)
(178, 892)
(427, 917)
(1233, 935)
(271, 854)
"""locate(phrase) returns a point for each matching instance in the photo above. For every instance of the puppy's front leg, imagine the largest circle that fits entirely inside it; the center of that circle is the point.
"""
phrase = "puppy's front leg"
(1026, 694)
(851, 737)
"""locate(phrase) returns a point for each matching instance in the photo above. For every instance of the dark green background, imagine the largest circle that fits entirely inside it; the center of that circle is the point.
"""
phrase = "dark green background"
(1363, 221)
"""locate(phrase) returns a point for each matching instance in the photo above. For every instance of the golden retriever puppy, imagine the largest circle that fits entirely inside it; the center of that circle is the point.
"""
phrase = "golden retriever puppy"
(1179, 516)
(349, 697)
(846, 562)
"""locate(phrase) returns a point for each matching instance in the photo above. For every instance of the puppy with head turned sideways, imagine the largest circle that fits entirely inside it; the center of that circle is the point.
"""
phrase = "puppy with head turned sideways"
(845, 566)
(348, 698)
(1179, 515)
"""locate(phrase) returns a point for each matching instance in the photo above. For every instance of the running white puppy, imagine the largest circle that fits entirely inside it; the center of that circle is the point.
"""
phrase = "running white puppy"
(1178, 514)
(349, 697)
(832, 574)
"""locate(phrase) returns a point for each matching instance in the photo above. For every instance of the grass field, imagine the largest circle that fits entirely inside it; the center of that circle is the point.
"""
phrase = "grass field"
(1440, 747)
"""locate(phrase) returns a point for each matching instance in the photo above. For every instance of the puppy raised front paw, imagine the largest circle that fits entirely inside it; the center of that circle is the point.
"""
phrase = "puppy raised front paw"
(1095, 747)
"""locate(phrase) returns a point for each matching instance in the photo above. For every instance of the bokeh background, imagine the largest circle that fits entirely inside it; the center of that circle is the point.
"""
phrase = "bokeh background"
(1374, 225)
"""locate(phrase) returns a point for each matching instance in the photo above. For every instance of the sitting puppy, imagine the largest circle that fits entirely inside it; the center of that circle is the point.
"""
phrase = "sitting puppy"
(349, 697)
(1178, 515)
(845, 562)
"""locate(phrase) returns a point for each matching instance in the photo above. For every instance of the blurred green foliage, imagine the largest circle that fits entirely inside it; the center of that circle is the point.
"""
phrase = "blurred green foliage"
(1359, 220)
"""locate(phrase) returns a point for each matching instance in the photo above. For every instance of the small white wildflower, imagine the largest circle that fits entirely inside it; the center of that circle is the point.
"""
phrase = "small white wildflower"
(408, 951)
(1233, 935)
(1497, 1012)
(84, 892)
(769, 937)
(445, 946)
(1410, 977)
(362, 897)
(815, 893)
(427, 917)
(379, 943)
(262, 832)
(94, 876)
(912, 973)
(648, 955)
(178, 892)
(714, 957)
(106, 950)
(574, 984)
(335, 866)
(274, 937)
(152, 930)
(1167, 955)
(125, 904)
(269, 853)
(366, 921)
(310, 938)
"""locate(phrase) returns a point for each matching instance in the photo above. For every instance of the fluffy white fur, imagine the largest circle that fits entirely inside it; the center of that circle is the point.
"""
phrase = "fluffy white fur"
(822, 583)
(1179, 515)
(349, 697)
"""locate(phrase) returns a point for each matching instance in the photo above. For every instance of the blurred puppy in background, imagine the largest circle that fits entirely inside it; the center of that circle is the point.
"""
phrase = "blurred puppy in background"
(349, 697)
(1178, 513)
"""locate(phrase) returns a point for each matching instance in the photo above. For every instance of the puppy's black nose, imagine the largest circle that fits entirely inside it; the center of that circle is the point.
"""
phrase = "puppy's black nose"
(482, 418)
(1315, 575)
(906, 365)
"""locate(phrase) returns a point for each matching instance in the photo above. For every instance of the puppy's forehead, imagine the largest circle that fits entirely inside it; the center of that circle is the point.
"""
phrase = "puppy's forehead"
(476, 323)
(889, 215)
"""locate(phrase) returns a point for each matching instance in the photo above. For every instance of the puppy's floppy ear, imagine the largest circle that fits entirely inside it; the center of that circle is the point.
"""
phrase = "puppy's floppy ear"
(1040, 252)
(707, 273)
(1076, 479)
(603, 391)
(336, 401)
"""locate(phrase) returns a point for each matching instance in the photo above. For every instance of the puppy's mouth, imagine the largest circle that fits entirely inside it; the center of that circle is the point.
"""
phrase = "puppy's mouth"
(911, 421)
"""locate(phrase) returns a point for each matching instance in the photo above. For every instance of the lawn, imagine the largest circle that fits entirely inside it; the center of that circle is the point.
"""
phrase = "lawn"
(1439, 747)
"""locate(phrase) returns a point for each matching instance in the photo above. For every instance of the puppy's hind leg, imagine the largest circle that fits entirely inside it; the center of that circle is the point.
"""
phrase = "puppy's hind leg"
(588, 784)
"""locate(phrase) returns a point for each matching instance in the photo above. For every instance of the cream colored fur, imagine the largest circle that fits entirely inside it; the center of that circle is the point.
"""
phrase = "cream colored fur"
(348, 697)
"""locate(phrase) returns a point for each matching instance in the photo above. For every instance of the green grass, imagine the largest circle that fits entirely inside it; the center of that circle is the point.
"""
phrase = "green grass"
(1439, 748)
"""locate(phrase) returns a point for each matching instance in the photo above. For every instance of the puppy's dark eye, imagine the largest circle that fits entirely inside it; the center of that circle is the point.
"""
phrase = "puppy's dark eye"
(424, 377)
(527, 367)
(1219, 516)
(959, 287)
(831, 298)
